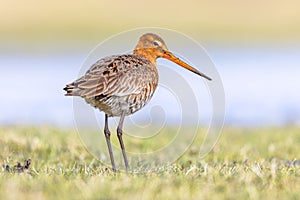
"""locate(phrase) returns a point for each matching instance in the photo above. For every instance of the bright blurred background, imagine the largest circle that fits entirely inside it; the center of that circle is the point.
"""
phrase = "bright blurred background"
(255, 46)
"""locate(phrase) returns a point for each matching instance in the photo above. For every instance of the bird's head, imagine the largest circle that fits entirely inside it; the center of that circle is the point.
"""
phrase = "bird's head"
(152, 47)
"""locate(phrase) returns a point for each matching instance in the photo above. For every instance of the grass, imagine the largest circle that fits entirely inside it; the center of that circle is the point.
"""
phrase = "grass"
(253, 163)
(92, 20)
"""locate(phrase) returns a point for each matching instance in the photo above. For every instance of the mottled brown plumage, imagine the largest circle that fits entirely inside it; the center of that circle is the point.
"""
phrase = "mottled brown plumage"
(120, 85)
(102, 86)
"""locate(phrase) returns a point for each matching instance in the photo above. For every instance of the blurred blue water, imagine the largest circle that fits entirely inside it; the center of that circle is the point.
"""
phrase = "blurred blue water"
(261, 84)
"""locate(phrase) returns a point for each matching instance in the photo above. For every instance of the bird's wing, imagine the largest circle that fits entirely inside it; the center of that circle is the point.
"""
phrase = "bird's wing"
(114, 75)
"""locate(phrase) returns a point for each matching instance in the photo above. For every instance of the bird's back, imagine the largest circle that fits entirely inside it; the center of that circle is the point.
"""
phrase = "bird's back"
(116, 83)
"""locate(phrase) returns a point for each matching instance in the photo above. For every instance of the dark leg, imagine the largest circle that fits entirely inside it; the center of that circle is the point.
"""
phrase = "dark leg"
(119, 133)
(107, 136)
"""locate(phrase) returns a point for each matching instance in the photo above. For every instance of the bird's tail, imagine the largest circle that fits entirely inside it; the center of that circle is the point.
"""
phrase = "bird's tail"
(69, 89)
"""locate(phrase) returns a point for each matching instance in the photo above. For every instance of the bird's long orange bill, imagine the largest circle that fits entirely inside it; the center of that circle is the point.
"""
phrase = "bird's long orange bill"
(168, 55)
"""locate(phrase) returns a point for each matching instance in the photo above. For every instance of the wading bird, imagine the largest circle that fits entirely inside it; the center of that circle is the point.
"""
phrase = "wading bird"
(120, 85)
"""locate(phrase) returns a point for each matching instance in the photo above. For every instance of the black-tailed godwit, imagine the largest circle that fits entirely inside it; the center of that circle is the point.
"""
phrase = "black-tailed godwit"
(120, 85)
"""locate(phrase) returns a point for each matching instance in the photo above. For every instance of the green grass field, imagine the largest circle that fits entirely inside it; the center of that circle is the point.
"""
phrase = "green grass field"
(32, 22)
(259, 163)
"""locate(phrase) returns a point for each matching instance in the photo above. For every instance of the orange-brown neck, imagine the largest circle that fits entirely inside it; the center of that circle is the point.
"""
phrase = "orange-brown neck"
(149, 54)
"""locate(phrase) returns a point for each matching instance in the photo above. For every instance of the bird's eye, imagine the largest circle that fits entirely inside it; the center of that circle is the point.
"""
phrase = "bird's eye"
(156, 43)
